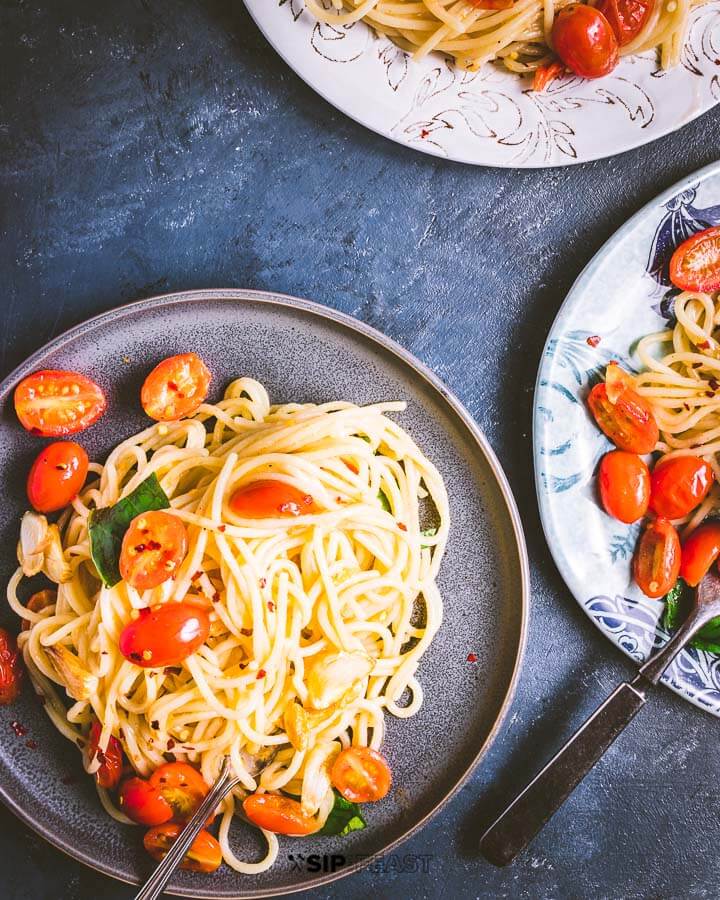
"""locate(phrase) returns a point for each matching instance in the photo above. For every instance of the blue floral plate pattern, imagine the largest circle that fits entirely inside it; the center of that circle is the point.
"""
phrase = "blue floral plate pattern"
(623, 294)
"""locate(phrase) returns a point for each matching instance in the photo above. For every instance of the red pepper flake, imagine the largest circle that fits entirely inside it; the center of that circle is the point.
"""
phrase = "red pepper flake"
(196, 575)
(402, 527)
(263, 582)
(170, 744)
(155, 724)
(261, 673)
(221, 528)
(687, 406)
(704, 345)
(271, 606)
(246, 631)
(243, 666)
(709, 393)
(714, 383)
(472, 657)
(31, 745)
(20, 730)
(172, 385)
(593, 340)
(216, 597)
(424, 133)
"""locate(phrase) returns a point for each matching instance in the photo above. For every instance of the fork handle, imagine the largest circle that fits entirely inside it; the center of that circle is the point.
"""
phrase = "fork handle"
(160, 877)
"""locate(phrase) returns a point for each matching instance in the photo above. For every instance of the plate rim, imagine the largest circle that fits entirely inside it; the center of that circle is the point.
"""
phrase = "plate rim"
(556, 329)
(272, 298)
(427, 150)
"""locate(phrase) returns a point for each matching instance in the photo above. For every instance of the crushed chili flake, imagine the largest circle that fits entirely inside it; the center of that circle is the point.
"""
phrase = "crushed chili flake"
(271, 606)
(714, 383)
(155, 724)
(31, 745)
(709, 393)
(196, 575)
(216, 597)
(472, 657)
(593, 340)
(246, 631)
(687, 406)
(221, 528)
(402, 527)
(20, 730)
(243, 666)
(263, 582)
(170, 743)
(704, 345)
(261, 673)
(424, 133)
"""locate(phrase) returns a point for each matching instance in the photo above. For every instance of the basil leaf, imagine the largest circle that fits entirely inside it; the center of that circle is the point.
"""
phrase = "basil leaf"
(108, 526)
(384, 502)
(673, 614)
(677, 605)
(344, 817)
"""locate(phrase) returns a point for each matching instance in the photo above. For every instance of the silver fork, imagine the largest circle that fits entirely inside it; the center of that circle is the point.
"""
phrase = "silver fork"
(227, 780)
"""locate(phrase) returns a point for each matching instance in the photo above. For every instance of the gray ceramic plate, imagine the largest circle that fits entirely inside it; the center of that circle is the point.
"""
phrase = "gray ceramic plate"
(305, 352)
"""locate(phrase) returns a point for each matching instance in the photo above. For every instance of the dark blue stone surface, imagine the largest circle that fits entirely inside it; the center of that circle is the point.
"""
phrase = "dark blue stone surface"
(156, 145)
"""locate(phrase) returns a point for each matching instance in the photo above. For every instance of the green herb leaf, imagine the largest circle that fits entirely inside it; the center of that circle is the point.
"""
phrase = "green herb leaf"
(673, 615)
(677, 605)
(384, 502)
(429, 532)
(344, 817)
(108, 526)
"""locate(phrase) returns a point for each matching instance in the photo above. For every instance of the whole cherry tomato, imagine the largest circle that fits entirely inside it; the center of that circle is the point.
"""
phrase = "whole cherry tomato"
(656, 564)
(183, 787)
(11, 670)
(278, 814)
(678, 485)
(699, 552)
(628, 422)
(624, 485)
(152, 549)
(53, 403)
(361, 774)
(204, 855)
(270, 498)
(164, 635)
(175, 388)
(626, 17)
(584, 41)
(56, 476)
(111, 759)
(695, 265)
(143, 803)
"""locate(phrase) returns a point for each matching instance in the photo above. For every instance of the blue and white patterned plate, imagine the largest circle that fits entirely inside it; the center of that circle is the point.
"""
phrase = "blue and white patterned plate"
(623, 294)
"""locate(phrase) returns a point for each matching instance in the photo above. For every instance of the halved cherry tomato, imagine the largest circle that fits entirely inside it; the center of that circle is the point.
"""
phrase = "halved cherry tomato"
(175, 388)
(164, 635)
(626, 17)
(624, 485)
(678, 485)
(56, 476)
(38, 602)
(183, 787)
(545, 74)
(628, 422)
(279, 814)
(153, 547)
(111, 759)
(361, 774)
(656, 564)
(11, 670)
(617, 380)
(143, 803)
(699, 552)
(695, 265)
(54, 403)
(204, 854)
(269, 499)
(584, 40)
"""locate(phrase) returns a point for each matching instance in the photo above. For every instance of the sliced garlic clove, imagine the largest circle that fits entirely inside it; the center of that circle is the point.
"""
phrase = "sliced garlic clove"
(330, 675)
(55, 565)
(31, 547)
(316, 780)
(295, 721)
(79, 682)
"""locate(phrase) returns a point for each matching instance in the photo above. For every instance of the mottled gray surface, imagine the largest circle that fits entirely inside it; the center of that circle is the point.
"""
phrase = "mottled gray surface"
(150, 146)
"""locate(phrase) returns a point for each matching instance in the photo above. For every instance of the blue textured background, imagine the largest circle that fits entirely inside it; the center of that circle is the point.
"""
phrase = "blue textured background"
(156, 145)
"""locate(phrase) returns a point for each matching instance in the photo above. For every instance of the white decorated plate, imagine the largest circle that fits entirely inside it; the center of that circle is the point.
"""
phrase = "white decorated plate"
(623, 294)
(491, 118)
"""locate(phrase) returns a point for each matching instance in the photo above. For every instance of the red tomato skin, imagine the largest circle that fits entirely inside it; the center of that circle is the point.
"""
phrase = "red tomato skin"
(152, 549)
(164, 635)
(38, 602)
(111, 761)
(656, 564)
(703, 247)
(11, 669)
(626, 17)
(49, 383)
(629, 422)
(56, 476)
(204, 855)
(361, 775)
(270, 498)
(584, 41)
(280, 815)
(679, 485)
(183, 787)
(143, 803)
(624, 485)
(175, 388)
(699, 552)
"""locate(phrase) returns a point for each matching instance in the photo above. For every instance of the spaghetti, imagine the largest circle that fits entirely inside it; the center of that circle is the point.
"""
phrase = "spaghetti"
(318, 621)
(519, 36)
